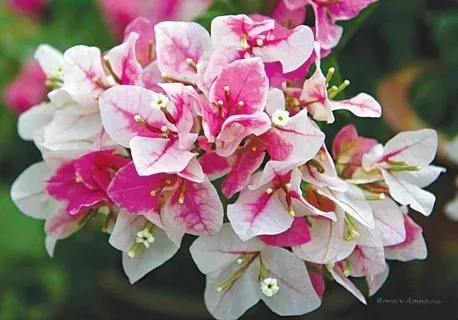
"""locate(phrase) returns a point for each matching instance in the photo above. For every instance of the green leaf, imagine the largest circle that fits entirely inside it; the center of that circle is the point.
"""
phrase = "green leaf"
(19, 235)
(352, 26)
(444, 26)
(218, 8)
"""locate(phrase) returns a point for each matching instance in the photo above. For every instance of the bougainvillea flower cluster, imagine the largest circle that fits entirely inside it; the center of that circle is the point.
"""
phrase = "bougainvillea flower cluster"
(180, 132)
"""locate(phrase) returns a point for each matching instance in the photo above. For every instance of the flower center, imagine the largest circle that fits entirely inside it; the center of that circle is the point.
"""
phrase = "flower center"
(280, 117)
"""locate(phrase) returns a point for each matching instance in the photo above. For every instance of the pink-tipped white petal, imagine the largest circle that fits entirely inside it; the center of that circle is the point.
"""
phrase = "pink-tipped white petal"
(363, 105)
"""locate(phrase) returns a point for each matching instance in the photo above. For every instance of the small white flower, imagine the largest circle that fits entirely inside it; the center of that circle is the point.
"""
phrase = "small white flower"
(269, 286)
(145, 237)
(280, 117)
(159, 102)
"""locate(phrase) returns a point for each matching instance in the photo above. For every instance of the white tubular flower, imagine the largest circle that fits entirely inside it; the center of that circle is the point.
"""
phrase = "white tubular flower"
(159, 102)
(280, 117)
(269, 287)
(145, 237)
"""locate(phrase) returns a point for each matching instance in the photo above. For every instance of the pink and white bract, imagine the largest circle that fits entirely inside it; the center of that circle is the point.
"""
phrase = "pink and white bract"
(179, 132)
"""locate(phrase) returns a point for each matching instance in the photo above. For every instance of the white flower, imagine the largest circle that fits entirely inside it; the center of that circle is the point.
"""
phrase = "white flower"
(159, 102)
(269, 286)
(145, 237)
(280, 117)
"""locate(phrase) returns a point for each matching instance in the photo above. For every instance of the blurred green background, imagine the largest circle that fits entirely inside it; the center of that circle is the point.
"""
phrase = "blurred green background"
(85, 279)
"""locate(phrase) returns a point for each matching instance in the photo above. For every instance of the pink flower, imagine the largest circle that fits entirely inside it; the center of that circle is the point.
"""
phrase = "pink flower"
(237, 100)
(185, 201)
(270, 203)
(83, 183)
(348, 150)
(27, 7)
(180, 47)
(86, 74)
(29, 193)
(27, 90)
(241, 36)
(157, 128)
(119, 13)
(318, 99)
(327, 13)
(289, 18)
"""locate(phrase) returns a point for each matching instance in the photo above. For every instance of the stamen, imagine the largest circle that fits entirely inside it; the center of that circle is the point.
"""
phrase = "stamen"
(287, 185)
(244, 258)
(397, 163)
(140, 120)
(181, 198)
(263, 272)
(227, 91)
(133, 251)
(400, 169)
(191, 63)
(269, 190)
(318, 166)
(109, 67)
(156, 191)
(150, 51)
(291, 211)
(330, 74)
(164, 129)
(240, 104)
(332, 90)
(171, 78)
(322, 155)
(247, 55)
(99, 83)
(309, 222)
(96, 97)
(244, 41)
(259, 42)
(89, 216)
(341, 88)
(347, 270)
(380, 196)
(352, 233)
(226, 284)
(330, 265)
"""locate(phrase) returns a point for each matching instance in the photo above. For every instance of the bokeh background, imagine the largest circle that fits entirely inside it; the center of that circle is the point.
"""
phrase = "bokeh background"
(403, 51)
